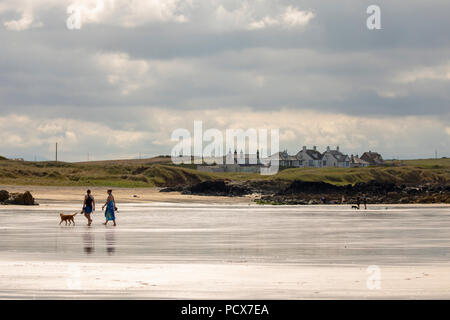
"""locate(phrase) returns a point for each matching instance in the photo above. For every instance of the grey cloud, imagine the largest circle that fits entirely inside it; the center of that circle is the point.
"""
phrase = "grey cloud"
(333, 65)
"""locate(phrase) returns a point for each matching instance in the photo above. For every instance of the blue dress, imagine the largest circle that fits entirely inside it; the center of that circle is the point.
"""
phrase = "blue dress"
(109, 212)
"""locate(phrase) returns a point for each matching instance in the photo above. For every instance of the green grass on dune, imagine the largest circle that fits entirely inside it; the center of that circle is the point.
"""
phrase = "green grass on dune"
(114, 175)
(442, 163)
(342, 176)
(134, 175)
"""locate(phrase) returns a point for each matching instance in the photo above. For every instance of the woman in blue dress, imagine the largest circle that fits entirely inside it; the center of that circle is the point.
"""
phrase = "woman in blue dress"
(110, 205)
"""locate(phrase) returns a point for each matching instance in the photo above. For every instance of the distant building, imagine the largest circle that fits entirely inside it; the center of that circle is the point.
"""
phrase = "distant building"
(234, 162)
(305, 158)
(309, 158)
(373, 158)
(335, 158)
(356, 162)
(285, 160)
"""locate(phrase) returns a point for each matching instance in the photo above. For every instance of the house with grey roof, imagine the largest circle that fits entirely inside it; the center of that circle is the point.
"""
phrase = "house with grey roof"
(309, 158)
(285, 160)
(335, 158)
(373, 158)
(312, 158)
(357, 162)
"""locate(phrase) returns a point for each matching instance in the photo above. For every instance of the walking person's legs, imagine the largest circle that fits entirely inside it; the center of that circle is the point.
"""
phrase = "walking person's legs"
(87, 214)
(88, 217)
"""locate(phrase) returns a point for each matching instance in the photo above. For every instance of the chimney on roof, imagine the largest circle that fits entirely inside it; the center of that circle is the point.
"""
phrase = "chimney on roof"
(315, 148)
(328, 148)
(337, 148)
(304, 148)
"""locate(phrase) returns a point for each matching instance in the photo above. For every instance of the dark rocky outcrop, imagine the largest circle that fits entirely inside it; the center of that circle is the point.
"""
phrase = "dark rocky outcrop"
(373, 187)
(298, 186)
(4, 195)
(301, 192)
(304, 192)
(266, 187)
(24, 199)
(217, 188)
(172, 189)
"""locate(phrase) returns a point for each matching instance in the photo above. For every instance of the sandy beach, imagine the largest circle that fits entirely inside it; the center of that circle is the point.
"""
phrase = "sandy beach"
(52, 194)
(226, 251)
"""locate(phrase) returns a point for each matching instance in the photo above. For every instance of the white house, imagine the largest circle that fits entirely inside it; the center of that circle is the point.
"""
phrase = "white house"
(335, 158)
(312, 158)
(309, 158)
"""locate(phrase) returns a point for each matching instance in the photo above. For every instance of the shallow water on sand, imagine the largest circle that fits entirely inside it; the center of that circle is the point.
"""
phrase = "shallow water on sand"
(194, 233)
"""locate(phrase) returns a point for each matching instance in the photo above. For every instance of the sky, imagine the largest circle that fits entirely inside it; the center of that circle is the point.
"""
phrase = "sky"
(137, 70)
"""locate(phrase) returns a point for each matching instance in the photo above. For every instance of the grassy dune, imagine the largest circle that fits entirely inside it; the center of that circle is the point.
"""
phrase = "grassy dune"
(96, 174)
(410, 173)
(159, 172)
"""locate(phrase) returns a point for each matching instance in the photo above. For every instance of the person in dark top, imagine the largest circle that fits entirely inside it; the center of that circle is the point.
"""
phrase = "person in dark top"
(365, 202)
(358, 202)
(88, 206)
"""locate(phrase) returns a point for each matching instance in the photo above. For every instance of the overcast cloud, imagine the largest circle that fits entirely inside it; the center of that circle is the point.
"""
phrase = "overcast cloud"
(137, 70)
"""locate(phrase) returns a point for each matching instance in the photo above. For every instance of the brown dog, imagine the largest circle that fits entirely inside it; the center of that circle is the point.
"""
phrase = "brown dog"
(68, 218)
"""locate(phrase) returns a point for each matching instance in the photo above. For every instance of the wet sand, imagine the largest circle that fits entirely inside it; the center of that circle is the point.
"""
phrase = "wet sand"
(224, 251)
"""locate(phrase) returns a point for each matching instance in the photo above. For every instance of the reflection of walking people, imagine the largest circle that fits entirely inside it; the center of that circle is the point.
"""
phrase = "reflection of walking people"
(88, 206)
(110, 205)
(110, 242)
(358, 202)
(365, 202)
(88, 242)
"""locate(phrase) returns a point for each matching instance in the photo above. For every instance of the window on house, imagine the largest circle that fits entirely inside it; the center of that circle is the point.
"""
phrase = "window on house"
(311, 163)
(324, 163)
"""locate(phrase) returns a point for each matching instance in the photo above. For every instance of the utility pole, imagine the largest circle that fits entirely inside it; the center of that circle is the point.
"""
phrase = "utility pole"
(56, 155)
(435, 154)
